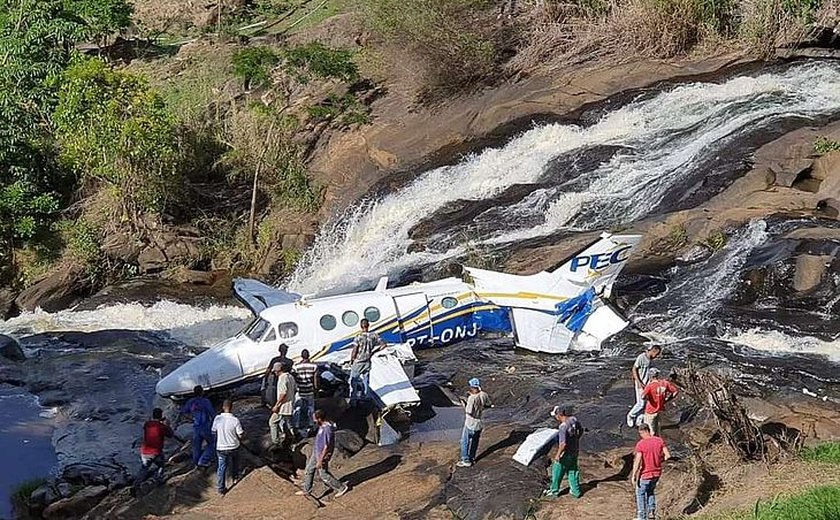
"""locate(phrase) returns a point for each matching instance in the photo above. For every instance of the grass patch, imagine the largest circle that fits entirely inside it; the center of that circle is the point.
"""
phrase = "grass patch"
(824, 145)
(22, 493)
(253, 65)
(820, 503)
(320, 61)
(344, 110)
(716, 240)
(828, 452)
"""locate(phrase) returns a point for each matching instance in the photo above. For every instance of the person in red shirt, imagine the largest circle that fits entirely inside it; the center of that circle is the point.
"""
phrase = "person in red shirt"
(155, 432)
(647, 468)
(656, 394)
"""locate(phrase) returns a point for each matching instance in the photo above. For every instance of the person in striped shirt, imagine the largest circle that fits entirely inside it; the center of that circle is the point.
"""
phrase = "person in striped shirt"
(306, 376)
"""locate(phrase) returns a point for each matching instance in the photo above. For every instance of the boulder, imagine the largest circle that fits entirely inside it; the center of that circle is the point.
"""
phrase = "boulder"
(122, 246)
(348, 442)
(809, 271)
(183, 275)
(151, 260)
(827, 166)
(10, 349)
(43, 496)
(56, 291)
(829, 207)
(295, 242)
(7, 304)
(76, 505)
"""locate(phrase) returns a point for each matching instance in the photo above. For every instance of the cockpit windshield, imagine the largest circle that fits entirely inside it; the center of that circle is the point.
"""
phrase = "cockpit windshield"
(256, 329)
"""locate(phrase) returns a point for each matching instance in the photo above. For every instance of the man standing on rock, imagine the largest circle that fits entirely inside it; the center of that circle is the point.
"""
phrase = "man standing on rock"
(656, 394)
(283, 409)
(364, 346)
(228, 432)
(477, 401)
(306, 377)
(568, 449)
(202, 412)
(319, 461)
(640, 371)
(647, 468)
(155, 433)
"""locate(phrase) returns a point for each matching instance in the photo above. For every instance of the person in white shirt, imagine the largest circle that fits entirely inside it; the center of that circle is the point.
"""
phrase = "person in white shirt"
(228, 432)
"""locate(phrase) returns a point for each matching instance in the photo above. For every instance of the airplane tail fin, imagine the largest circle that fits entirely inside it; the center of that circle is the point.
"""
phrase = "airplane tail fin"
(599, 264)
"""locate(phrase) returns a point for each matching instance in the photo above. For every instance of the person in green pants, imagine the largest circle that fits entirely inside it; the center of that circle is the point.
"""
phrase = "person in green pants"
(566, 457)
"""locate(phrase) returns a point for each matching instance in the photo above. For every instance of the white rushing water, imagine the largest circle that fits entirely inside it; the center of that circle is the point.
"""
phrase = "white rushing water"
(776, 342)
(670, 135)
(192, 326)
(697, 291)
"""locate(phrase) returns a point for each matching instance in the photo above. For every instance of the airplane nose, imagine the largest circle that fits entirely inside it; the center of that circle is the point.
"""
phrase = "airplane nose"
(210, 369)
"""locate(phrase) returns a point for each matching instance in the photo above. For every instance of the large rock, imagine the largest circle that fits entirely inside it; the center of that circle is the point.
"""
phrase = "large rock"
(55, 292)
(809, 271)
(122, 246)
(7, 304)
(10, 349)
(76, 505)
(151, 260)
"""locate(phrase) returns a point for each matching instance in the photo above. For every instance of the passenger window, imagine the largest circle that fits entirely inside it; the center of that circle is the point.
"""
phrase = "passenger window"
(449, 302)
(256, 329)
(372, 314)
(287, 330)
(271, 336)
(350, 318)
(328, 322)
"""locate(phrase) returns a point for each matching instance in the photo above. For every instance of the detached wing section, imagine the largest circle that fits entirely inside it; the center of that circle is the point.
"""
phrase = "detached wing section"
(258, 296)
(555, 311)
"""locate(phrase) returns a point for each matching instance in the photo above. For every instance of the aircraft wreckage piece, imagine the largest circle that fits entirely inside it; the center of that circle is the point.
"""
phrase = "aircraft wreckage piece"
(545, 312)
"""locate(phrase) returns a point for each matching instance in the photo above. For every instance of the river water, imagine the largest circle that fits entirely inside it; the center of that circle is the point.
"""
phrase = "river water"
(662, 151)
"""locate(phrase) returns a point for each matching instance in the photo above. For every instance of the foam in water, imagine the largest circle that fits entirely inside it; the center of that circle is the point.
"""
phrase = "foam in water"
(777, 343)
(696, 292)
(671, 134)
(193, 326)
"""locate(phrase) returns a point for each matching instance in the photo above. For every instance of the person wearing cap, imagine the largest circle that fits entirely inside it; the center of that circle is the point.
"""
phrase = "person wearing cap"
(477, 401)
(656, 394)
(283, 409)
(641, 376)
(565, 460)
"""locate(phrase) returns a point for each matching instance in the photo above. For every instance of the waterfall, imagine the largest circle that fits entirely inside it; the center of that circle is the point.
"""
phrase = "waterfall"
(666, 141)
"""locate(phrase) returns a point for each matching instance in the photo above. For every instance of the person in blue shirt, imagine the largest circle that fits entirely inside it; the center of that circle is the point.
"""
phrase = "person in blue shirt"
(203, 413)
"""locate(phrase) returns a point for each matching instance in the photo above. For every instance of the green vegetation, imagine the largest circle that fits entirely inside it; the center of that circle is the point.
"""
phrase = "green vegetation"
(22, 493)
(716, 240)
(112, 128)
(821, 503)
(345, 110)
(828, 452)
(446, 36)
(315, 59)
(824, 145)
(254, 64)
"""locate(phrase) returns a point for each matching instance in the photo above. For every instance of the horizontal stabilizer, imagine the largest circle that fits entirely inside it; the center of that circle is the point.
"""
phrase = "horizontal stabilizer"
(258, 296)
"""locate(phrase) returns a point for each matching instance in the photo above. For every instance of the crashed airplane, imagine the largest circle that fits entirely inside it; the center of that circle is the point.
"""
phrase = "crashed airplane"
(545, 312)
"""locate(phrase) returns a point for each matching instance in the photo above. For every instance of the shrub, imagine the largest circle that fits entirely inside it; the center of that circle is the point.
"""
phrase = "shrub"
(344, 110)
(22, 493)
(824, 145)
(254, 64)
(320, 61)
(114, 129)
(446, 35)
(716, 240)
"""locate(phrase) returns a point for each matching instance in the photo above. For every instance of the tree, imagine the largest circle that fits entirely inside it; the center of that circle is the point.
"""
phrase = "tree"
(113, 128)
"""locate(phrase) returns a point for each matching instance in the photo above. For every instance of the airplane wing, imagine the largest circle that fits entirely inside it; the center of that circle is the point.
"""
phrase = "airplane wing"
(258, 296)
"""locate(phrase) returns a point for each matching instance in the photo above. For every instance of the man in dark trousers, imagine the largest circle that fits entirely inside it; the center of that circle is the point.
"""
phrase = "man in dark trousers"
(647, 468)
(155, 432)
(282, 350)
(319, 461)
(228, 432)
(202, 413)
(306, 377)
(568, 449)
(364, 346)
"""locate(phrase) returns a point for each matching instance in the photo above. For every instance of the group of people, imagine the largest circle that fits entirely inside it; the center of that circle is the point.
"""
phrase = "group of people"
(289, 392)
(652, 393)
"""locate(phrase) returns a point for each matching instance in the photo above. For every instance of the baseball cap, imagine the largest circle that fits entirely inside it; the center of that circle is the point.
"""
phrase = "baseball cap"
(276, 366)
(654, 372)
(475, 383)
